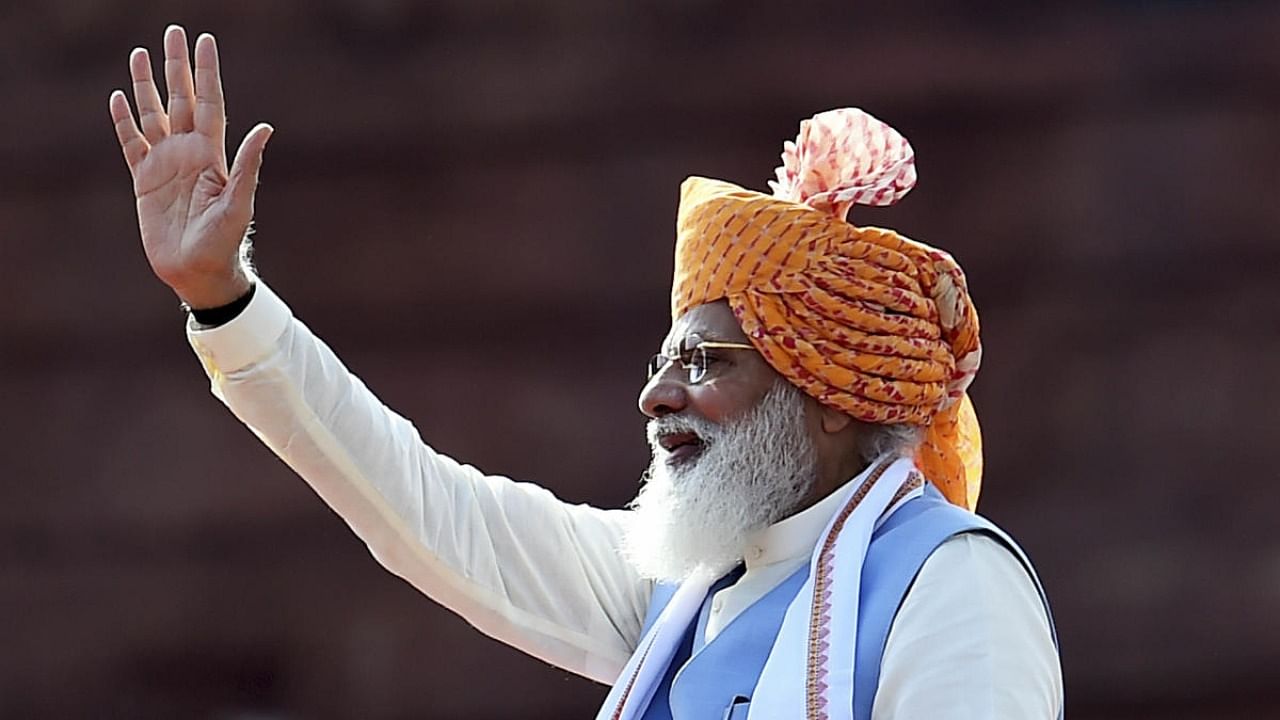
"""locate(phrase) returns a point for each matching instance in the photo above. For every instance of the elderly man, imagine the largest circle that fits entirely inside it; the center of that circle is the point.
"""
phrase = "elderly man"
(804, 544)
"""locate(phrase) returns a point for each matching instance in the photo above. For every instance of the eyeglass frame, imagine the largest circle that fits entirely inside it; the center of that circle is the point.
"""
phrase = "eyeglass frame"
(659, 361)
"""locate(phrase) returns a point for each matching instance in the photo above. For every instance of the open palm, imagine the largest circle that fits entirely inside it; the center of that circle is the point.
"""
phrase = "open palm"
(192, 210)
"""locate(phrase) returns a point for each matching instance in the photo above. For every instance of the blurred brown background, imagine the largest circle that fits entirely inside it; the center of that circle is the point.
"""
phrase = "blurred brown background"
(473, 202)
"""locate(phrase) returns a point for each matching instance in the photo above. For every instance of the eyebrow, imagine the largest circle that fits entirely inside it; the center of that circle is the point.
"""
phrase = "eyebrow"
(709, 336)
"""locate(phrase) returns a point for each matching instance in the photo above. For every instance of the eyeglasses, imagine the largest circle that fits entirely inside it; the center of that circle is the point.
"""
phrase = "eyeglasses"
(692, 355)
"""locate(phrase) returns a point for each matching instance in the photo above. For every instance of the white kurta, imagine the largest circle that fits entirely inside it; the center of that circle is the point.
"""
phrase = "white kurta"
(970, 641)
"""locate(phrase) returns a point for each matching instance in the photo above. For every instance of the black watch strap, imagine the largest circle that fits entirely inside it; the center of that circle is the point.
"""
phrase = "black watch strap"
(223, 314)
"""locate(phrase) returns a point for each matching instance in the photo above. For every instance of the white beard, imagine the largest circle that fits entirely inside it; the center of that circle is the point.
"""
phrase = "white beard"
(696, 517)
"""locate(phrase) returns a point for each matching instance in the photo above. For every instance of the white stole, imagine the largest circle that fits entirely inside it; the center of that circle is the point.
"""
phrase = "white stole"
(809, 672)
(643, 672)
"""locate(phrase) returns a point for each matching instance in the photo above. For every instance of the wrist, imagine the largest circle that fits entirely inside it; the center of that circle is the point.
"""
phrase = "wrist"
(216, 293)
(214, 286)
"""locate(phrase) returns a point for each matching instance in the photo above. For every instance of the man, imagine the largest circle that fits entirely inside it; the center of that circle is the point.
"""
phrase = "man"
(803, 545)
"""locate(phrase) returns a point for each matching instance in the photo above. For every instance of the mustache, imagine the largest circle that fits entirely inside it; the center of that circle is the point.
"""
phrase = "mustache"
(706, 430)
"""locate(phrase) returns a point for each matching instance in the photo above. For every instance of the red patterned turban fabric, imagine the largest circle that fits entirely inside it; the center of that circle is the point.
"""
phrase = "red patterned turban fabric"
(863, 319)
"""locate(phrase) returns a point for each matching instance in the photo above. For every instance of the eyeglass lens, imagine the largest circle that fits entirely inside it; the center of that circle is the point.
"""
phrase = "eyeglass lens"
(692, 359)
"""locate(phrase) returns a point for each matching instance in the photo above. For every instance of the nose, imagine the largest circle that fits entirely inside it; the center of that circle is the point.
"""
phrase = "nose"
(664, 394)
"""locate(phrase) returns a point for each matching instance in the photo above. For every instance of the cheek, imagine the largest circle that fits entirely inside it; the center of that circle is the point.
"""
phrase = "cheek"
(722, 400)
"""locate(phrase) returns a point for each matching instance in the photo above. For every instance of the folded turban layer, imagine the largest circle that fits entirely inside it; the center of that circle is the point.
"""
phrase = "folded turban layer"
(863, 319)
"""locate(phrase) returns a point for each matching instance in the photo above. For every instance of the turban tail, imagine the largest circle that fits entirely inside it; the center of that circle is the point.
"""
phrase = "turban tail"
(864, 320)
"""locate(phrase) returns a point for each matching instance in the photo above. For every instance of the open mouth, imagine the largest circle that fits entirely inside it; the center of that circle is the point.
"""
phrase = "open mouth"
(681, 447)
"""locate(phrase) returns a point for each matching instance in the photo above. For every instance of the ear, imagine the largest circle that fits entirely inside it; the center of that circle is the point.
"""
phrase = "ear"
(833, 421)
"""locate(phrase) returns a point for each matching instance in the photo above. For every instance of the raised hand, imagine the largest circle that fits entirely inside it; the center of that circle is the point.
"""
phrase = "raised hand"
(192, 211)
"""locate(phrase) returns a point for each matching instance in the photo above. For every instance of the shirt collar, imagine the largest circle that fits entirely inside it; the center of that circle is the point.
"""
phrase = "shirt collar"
(795, 536)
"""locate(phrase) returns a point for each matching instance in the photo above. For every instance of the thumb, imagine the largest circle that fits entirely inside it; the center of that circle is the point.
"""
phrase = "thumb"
(243, 178)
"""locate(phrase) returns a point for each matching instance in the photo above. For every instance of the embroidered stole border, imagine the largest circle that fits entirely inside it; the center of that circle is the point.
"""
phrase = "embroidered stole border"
(820, 610)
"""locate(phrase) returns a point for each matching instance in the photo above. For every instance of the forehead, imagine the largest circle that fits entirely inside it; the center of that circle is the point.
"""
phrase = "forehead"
(711, 321)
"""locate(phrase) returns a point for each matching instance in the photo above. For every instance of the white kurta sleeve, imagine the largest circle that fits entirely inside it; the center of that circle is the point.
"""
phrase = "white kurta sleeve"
(971, 640)
(518, 563)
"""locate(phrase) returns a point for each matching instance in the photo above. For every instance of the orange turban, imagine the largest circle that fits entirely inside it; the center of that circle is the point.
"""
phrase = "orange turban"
(865, 320)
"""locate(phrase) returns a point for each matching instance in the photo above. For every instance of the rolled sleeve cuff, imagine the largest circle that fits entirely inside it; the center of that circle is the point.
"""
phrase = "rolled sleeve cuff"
(246, 338)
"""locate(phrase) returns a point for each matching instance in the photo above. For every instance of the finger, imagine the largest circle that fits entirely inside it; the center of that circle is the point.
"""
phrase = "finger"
(211, 118)
(132, 143)
(177, 77)
(155, 123)
(242, 181)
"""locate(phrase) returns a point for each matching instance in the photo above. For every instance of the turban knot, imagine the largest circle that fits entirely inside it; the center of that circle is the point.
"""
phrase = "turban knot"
(863, 319)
